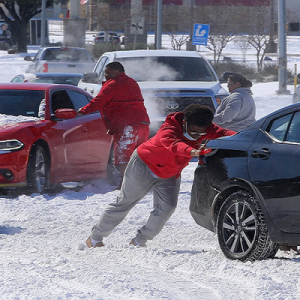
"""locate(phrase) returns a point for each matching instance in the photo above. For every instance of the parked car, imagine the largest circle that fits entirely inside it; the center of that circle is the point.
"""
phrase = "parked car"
(107, 37)
(296, 95)
(60, 60)
(42, 140)
(62, 78)
(246, 187)
(169, 80)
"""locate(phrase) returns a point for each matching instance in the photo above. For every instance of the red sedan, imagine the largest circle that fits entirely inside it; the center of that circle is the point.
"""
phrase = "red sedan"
(42, 140)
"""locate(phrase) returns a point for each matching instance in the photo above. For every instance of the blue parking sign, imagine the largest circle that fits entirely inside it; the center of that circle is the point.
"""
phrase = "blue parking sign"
(200, 35)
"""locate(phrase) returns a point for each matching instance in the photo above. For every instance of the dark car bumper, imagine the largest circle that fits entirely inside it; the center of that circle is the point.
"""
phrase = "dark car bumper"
(200, 206)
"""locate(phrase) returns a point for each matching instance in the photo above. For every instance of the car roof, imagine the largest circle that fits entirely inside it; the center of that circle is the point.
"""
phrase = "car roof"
(35, 86)
(108, 31)
(56, 74)
(64, 48)
(148, 53)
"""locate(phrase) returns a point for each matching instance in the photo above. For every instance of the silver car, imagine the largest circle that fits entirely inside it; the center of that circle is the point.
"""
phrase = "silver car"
(61, 78)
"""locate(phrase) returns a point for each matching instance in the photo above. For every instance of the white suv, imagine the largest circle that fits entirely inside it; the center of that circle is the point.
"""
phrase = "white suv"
(169, 80)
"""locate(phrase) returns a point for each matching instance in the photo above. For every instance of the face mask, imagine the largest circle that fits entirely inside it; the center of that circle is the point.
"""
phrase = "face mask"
(187, 135)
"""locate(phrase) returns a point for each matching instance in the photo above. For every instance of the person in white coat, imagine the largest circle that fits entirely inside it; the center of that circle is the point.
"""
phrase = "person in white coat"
(236, 111)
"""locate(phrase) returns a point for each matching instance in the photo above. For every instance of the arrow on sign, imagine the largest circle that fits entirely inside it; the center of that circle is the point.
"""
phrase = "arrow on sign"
(137, 26)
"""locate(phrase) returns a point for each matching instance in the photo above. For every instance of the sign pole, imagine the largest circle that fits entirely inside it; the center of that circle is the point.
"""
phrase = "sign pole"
(159, 24)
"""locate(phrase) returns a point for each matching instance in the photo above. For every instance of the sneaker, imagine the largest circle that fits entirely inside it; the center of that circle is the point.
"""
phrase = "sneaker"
(90, 244)
(135, 243)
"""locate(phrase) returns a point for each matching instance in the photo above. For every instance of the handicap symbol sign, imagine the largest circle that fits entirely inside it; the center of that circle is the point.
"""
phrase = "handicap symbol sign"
(200, 35)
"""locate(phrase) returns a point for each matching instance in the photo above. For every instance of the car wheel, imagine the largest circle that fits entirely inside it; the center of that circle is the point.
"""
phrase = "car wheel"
(242, 230)
(37, 170)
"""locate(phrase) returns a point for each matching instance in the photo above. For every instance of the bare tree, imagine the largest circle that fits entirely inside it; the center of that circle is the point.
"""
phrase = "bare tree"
(243, 43)
(260, 43)
(17, 13)
(174, 22)
(177, 41)
(217, 43)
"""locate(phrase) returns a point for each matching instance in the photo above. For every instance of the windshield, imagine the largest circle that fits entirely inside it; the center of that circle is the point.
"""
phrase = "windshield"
(66, 54)
(166, 68)
(20, 102)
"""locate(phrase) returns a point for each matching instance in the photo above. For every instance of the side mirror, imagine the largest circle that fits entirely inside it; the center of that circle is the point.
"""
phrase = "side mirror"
(28, 58)
(90, 78)
(298, 76)
(65, 113)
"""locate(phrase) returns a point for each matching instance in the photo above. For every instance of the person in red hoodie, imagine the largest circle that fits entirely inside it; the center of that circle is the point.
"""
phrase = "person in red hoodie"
(121, 105)
(156, 165)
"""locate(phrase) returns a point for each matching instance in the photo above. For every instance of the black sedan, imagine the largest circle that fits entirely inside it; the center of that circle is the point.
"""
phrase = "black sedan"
(247, 187)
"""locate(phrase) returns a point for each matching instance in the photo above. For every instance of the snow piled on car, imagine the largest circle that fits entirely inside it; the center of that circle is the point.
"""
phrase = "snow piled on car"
(10, 120)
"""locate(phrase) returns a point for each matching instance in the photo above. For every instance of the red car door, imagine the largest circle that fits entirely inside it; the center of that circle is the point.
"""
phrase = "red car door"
(72, 139)
(98, 144)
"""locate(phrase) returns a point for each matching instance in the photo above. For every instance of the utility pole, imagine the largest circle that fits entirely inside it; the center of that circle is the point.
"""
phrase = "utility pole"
(159, 24)
(282, 56)
(43, 24)
(272, 45)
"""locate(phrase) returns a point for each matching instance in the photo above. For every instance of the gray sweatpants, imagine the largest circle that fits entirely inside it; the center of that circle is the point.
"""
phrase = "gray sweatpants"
(137, 182)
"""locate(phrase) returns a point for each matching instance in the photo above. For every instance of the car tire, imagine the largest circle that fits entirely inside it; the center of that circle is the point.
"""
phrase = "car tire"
(272, 250)
(38, 170)
(242, 231)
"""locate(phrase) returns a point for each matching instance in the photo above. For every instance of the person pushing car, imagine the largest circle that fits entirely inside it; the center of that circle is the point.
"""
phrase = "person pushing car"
(121, 105)
(156, 165)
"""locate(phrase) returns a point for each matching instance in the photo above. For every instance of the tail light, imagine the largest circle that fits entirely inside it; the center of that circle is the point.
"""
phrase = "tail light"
(206, 151)
(203, 154)
(45, 69)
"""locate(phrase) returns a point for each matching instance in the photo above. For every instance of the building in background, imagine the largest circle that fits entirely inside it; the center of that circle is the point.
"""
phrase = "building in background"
(224, 16)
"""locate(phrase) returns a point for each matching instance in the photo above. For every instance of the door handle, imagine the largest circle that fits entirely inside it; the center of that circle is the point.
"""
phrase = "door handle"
(84, 129)
(262, 153)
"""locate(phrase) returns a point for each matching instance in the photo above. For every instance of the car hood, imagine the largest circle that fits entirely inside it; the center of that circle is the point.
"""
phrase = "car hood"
(11, 124)
(211, 87)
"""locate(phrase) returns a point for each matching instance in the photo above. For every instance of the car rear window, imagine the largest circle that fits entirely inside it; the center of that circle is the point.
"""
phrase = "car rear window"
(66, 54)
(167, 68)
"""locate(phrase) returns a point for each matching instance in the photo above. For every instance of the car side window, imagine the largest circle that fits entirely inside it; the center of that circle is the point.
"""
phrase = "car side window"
(278, 127)
(60, 99)
(100, 67)
(293, 134)
(38, 55)
(17, 79)
(79, 100)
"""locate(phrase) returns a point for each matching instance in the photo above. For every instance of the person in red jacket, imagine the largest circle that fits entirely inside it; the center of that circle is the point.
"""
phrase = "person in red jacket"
(121, 105)
(157, 164)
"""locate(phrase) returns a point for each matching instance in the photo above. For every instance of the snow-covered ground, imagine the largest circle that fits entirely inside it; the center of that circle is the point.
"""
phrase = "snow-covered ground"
(43, 255)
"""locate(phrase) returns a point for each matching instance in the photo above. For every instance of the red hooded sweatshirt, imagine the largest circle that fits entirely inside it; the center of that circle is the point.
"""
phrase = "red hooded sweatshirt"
(120, 103)
(168, 152)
